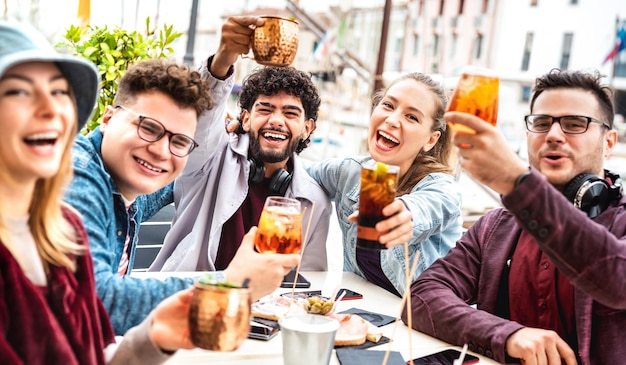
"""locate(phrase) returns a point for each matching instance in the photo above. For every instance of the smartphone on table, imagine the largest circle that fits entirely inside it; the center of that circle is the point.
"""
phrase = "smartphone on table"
(445, 357)
(301, 281)
(350, 294)
(259, 331)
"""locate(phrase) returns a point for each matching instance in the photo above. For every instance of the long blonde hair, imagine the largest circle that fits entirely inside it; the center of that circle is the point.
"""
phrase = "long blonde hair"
(54, 237)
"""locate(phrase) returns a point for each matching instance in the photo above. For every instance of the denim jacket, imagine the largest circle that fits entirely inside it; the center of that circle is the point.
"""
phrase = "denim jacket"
(107, 221)
(434, 202)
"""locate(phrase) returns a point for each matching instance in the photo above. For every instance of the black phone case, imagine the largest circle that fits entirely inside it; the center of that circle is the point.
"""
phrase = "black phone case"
(260, 332)
(445, 357)
(302, 282)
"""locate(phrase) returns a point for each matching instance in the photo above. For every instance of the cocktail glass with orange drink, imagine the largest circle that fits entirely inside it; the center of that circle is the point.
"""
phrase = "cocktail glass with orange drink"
(476, 93)
(378, 189)
(280, 226)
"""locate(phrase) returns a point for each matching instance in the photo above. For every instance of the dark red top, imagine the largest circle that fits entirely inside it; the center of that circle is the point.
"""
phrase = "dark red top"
(539, 295)
(63, 323)
(244, 218)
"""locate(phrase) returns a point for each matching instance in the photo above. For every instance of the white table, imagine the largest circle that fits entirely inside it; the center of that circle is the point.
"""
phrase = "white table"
(409, 343)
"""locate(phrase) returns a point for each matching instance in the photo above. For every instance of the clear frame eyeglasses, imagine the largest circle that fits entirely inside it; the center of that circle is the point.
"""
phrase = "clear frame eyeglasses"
(151, 130)
(570, 124)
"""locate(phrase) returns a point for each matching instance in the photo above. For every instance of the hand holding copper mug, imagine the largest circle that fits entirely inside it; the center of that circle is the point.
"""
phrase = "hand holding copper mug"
(476, 94)
(275, 43)
(219, 316)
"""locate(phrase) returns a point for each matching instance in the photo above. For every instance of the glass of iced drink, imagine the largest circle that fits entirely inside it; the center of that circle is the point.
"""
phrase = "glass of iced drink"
(280, 226)
(477, 94)
(378, 189)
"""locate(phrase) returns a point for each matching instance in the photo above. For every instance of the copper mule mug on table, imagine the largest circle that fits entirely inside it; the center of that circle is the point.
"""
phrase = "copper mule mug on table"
(276, 42)
(219, 316)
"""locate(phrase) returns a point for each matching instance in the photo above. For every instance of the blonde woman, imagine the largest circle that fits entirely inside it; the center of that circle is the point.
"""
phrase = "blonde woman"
(49, 310)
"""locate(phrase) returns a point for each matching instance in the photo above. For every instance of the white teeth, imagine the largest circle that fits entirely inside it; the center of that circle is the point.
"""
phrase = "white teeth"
(389, 137)
(42, 136)
(148, 166)
(274, 135)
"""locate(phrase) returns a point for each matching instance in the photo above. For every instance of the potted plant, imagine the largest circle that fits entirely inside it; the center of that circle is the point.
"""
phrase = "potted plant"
(113, 51)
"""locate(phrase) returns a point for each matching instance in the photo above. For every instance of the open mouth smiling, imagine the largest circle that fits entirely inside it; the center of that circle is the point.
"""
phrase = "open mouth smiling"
(273, 136)
(42, 139)
(386, 140)
(148, 166)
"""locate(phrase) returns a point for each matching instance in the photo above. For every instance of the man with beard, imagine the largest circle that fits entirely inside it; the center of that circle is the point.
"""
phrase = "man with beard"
(124, 173)
(221, 193)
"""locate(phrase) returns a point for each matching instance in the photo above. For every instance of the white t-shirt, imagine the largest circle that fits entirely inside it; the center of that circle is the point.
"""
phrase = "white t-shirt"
(24, 246)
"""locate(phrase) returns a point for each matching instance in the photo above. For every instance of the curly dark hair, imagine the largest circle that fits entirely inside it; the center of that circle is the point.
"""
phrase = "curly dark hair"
(185, 86)
(273, 80)
(576, 79)
(438, 159)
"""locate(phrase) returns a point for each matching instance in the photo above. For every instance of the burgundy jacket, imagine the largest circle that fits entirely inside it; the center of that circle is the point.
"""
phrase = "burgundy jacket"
(591, 253)
(67, 325)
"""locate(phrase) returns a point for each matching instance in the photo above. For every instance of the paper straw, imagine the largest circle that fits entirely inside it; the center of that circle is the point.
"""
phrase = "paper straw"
(304, 242)
(407, 293)
(459, 361)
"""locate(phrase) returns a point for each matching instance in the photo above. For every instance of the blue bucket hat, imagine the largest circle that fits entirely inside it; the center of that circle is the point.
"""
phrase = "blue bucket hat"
(20, 43)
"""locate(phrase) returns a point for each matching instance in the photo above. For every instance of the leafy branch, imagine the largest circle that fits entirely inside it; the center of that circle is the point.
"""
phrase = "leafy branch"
(113, 51)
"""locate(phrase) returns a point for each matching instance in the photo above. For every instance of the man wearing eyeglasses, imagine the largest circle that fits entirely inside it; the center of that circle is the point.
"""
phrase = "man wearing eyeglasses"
(540, 280)
(124, 173)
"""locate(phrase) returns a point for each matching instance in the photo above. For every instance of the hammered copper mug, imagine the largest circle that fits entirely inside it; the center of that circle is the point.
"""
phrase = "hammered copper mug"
(276, 42)
(219, 317)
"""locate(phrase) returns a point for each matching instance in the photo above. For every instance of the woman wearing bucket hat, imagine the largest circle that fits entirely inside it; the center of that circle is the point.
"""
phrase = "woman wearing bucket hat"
(49, 310)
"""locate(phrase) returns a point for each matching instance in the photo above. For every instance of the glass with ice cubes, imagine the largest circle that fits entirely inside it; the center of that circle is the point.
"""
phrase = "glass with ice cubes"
(280, 226)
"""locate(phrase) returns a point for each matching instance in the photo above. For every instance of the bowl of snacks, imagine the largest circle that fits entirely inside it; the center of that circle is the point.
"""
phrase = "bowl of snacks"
(318, 304)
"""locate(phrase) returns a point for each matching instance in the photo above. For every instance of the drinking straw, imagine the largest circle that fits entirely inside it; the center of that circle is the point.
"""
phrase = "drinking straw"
(459, 361)
(304, 242)
(407, 288)
(407, 293)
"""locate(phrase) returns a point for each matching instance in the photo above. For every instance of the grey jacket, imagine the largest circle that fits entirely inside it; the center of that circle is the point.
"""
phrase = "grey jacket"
(213, 186)
(591, 253)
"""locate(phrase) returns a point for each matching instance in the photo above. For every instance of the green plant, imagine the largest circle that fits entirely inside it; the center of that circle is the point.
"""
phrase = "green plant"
(113, 51)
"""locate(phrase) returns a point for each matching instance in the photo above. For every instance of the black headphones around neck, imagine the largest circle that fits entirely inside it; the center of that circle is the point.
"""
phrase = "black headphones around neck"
(593, 194)
(279, 182)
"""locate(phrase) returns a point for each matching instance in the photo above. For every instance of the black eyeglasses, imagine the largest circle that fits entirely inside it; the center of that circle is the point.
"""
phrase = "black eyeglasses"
(151, 130)
(570, 124)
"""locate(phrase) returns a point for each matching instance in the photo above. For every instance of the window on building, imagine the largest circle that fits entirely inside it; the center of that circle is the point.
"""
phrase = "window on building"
(528, 47)
(479, 46)
(416, 44)
(573, 2)
(533, 2)
(566, 50)
(441, 6)
(461, 4)
(526, 90)
(435, 45)
(421, 7)
(453, 45)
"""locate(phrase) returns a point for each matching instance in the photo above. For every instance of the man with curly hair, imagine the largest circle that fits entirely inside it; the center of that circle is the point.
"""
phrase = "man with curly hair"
(124, 173)
(221, 193)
